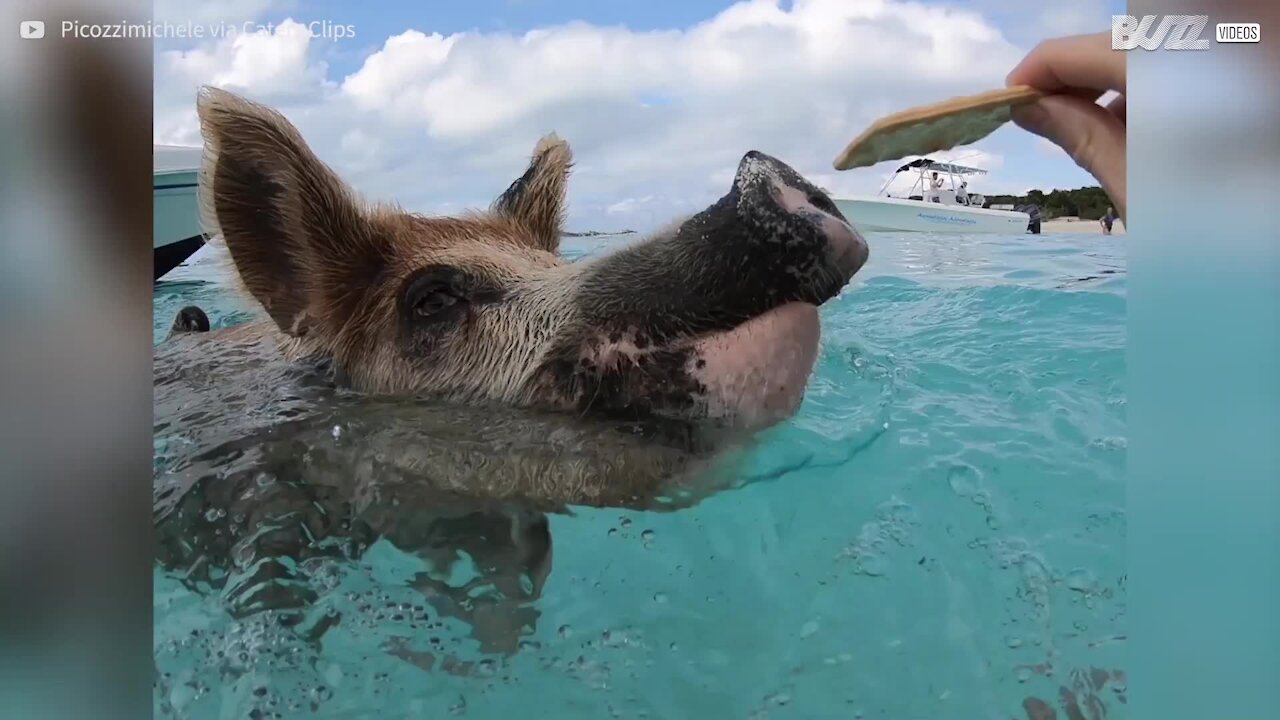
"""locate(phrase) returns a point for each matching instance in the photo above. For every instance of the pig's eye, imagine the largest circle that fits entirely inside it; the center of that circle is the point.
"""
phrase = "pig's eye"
(434, 303)
(435, 294)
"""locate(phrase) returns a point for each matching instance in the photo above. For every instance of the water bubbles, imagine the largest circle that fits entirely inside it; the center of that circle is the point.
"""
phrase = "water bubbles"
(779, 699)
(1023, 674)
(565, 632)
(809, 629)
(872, 564)
(647, 537)
(337, 432)
(181, 696)
(894, 519)
(613, 532)
(264, 479)
(215, 514)
(625, 523)
(981, 498)
(660, 598)
(244, 554)
(1081, 580)
(1113, 443)
(963, 480)
(1013, 642)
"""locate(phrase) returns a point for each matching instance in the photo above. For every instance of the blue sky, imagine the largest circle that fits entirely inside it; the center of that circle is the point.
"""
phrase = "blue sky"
(436, 105)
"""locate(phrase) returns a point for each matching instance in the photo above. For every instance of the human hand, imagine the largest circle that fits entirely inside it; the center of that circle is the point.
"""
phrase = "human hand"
(1076, 71)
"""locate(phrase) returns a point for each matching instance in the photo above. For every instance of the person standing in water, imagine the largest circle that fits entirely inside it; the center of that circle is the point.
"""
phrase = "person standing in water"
(1108, 220)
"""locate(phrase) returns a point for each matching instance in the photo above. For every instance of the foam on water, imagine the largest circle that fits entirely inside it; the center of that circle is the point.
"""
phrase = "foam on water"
(939, 532)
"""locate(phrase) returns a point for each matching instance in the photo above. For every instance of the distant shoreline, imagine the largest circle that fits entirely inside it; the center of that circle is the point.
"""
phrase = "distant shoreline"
(1087, 227)
(599, 233)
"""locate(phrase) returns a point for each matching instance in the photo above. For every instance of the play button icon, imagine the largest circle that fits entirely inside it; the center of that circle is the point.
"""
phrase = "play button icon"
(31, 29)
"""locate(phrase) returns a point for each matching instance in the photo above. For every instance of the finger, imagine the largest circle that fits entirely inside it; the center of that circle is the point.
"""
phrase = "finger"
(1118, 108)
(1090, 134)
(1086, 94)
(1078, 61)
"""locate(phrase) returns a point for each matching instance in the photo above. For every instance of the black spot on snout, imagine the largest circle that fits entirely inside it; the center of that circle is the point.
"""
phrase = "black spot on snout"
(653, 384)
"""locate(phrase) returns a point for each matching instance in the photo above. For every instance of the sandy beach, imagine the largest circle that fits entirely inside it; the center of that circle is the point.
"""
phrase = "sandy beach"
(1092, 227)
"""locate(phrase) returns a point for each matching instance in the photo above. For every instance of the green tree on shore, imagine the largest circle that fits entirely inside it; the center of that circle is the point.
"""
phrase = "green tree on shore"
(1087, 203)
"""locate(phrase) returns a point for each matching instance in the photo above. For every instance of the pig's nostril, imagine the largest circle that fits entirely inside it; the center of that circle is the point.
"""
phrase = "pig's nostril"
(822, 202)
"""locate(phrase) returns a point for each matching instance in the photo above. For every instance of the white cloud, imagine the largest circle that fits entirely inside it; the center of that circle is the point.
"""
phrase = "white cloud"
(386, 79)
(754, 53)
(275, 65)
(658, 120)
(267, 61)
(629, 205)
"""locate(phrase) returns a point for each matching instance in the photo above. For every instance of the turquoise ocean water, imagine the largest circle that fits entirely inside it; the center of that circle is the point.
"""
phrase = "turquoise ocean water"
(938, 533)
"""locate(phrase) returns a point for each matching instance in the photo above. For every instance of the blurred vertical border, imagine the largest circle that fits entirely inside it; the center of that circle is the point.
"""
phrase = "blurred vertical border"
(75, 357)
(1204, 358)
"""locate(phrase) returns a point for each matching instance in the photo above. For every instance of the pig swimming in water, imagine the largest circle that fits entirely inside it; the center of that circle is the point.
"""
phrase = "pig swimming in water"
(482, 379)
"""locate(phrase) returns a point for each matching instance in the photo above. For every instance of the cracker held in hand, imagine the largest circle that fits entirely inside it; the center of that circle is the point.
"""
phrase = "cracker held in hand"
(932, 128)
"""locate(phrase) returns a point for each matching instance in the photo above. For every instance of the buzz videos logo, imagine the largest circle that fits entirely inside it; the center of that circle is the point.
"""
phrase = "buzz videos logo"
(1176, 32)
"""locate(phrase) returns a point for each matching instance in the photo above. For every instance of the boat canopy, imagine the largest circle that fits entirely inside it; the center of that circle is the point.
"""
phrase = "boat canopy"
(952, 168)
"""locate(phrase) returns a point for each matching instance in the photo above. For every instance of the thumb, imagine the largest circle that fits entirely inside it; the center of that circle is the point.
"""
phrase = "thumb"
(1091, 135)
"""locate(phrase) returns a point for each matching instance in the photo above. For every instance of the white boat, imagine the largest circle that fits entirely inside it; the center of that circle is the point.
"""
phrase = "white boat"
(175, 211)
(926, 209)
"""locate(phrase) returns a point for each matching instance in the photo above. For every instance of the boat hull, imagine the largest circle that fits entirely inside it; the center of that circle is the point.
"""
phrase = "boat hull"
(883, 214)
(176, 230)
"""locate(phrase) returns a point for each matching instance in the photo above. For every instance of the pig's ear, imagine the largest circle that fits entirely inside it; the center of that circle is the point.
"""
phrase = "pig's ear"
(295, 232)
(536, 199)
